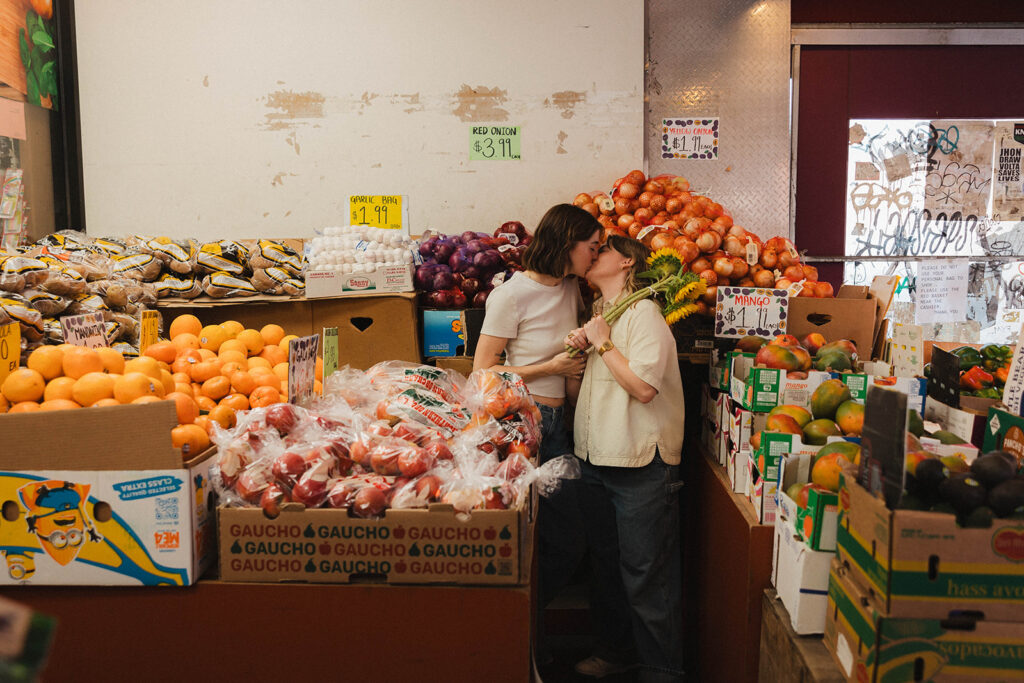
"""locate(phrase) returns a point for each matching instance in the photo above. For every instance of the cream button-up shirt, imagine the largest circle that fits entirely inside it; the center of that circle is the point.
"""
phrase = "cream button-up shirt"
(614, 429)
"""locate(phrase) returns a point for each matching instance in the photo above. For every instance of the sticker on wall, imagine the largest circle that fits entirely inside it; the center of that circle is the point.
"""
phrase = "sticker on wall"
(689, 138)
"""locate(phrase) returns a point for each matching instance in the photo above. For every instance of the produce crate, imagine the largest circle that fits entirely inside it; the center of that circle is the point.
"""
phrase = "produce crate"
(102, 498)
(923, 565)
(443, 334)
(800, 576)
(850, 315)
(763, 471)
(761, 389)
(870, 645)
(434, 545)
(1004, 431)
(384, 280)
(816, 523)
(916, 388)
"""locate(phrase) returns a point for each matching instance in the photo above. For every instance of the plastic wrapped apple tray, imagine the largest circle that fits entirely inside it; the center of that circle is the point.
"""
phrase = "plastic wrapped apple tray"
(101, 497)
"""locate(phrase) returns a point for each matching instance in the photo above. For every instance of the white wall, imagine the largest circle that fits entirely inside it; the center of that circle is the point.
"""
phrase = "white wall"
(241, 119)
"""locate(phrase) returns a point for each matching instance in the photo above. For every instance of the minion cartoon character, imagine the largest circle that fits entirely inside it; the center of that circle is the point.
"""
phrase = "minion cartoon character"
(55, 514)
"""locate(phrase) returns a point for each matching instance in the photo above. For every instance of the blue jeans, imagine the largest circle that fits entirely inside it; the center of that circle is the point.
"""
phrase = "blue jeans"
(561, 537)
(633, 535)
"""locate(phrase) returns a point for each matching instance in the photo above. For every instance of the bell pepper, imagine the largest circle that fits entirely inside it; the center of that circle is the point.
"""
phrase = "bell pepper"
(1001, 374)
(975, 379)
(989, 392)
(969, 357)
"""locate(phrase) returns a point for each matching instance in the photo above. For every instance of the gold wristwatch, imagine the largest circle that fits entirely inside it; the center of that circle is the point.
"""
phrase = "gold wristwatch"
(607, 346)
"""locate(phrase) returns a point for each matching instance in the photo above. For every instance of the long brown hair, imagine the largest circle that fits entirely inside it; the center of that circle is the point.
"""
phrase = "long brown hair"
(557, 233)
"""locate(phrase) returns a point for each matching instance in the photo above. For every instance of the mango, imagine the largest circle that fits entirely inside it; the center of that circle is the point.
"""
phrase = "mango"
(750, 343)
(827, 398)
(844, 345)
(802, 356)
(816, 432)
(834, 361)
(775, 356)
(781, 422)
(801, 415)
(812, 342)
(847, 449)
(785, 340)
(826, 471)
(850, 418)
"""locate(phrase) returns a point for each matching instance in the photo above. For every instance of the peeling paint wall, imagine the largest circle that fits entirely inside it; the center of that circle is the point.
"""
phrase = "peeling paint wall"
(241, 119)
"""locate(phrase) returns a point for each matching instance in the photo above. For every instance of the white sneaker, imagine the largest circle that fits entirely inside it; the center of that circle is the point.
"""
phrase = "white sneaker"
(595, 667)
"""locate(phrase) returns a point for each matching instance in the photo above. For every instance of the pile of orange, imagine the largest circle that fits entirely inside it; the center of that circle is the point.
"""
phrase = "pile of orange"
(210, 372)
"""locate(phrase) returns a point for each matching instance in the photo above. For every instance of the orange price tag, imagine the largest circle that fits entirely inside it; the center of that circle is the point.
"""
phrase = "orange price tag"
(10, 349)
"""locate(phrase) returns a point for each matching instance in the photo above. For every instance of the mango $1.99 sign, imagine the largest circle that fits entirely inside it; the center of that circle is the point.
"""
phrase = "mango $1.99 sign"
(302, 368)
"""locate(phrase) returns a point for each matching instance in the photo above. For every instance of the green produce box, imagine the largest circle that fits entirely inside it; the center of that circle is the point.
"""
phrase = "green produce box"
(914, 387)
(816, 523)
(1004, 431)
(922, 565)
(871, 646)
(763, 471)
(721, 364)
(761, 389)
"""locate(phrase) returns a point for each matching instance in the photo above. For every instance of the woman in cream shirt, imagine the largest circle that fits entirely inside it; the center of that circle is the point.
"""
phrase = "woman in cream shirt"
(629, 436)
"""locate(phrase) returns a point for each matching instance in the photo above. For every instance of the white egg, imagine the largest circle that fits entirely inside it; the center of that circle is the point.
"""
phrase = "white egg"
(407, 257)
(346, 267)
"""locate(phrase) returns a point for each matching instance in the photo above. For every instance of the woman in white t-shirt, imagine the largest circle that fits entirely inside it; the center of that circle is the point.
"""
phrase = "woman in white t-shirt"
(629, 437)
(528, 318)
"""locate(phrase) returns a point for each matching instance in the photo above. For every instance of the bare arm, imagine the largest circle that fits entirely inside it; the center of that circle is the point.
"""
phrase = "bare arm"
(598, 333)
(488, 355)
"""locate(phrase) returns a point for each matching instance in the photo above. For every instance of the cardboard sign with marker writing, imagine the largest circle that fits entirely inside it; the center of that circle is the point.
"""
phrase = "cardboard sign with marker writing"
(330, 352)
(883, 445)
(1013, 392)
(10, 349)
(302, 368)
(741, 311)
(149, 326)
(84, 330)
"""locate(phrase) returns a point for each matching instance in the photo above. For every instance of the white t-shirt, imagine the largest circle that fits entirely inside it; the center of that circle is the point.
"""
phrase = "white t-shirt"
(614, 429)
(535, 319)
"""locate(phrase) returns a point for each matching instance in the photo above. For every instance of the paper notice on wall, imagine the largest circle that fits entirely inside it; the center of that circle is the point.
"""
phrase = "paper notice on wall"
(1008, 178)
(907, 351)
(959, 176)
(942, 291)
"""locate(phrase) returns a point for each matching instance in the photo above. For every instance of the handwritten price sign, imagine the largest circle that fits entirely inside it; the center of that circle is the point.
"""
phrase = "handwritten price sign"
(302, 368)
(10, 349)
(377, 211)
(740, 311)
(84, 330)
(149, 327)
(494, 143)
(689, 138)
(330, 351)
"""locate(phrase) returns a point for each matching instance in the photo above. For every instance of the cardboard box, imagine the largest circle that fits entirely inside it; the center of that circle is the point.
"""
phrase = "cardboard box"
(968, 425)
(871, 646)
(101, 497)
(916, 388)
(737, 469)
(472, 322)
(850, 315)
(800, 576)
(763, 471)
(923, 565)
(743, 423)
(816, 523)
(761, 389)
(722, 442)
(460, 364)
(405, 546)
(718, 375)
(331, 283)
(371, 328)
(1004, 431)
(443, 334)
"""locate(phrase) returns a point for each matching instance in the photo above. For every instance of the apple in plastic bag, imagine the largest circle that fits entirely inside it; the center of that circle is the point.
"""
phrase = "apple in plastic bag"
(288, 467)
(414, 461)
(282, 417)
(369, 501)
(272, 498)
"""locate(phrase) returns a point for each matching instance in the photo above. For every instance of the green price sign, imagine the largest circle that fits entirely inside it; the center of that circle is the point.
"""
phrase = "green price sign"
(489, 143)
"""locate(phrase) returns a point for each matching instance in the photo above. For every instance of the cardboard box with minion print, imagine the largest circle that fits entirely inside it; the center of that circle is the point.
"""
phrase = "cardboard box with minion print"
(100, 497)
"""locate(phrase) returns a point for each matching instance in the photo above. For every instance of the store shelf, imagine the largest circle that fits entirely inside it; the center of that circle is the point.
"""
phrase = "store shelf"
(787, 657)
(733, 563)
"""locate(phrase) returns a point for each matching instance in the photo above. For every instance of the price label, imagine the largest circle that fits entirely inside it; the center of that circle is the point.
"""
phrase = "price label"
(1013, 392)
(330, 352)
(689, 138)
(149, 325)
(302, 368)
(84, 330)
(752, 254)
(377, 210)
(10, 349)
(494, 143)
(740, 311)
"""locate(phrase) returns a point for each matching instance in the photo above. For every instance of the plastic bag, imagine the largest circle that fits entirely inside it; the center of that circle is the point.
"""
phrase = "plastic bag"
(170, 285)
(277, 281)
(222, 284)
(31, 271)
(225, 256)
(62, 280)
(177, 256)
(271, 254)
(136, 266)
(20, 310)
(46, 303)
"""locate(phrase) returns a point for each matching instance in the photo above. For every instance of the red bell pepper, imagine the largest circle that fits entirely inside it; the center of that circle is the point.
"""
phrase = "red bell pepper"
(975, 378)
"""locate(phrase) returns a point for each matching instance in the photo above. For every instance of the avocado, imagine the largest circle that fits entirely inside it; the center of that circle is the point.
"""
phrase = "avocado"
(1006, 454)
(946, 437)
(963, 492)
(915, 425)
(979, 518)
(912, 502)
(930, 473)
(992, 469)
(1007, 498)
(943, 508)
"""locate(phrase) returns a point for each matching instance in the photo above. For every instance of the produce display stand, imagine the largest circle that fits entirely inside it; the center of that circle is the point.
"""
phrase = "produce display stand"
(288, 632)
(787, 657)
(371, 327)
(730, 569)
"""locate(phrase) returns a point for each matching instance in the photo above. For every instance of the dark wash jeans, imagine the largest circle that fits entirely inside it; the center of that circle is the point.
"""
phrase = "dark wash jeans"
(561, 537)
(632, 529)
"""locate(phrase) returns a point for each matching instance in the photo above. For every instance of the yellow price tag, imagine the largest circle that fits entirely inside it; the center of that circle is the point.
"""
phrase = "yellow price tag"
(10, 349)
(149, 327)
(377, 211)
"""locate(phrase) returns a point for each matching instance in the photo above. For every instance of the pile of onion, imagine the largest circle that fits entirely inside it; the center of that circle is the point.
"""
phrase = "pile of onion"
(663, 212)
